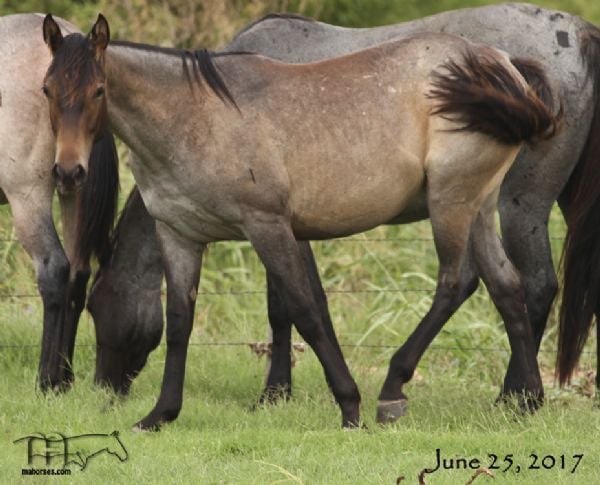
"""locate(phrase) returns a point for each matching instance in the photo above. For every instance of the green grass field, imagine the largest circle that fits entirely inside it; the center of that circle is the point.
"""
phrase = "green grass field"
(379, 288)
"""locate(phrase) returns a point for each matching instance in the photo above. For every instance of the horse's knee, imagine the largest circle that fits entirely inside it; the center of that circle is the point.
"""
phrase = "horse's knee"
(53, 278)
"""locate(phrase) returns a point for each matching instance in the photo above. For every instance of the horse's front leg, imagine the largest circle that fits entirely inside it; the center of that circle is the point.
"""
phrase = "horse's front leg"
(278, 384)
(78, 278)
(32, 219)
(182, 261)
(272, 237)
(279, 372)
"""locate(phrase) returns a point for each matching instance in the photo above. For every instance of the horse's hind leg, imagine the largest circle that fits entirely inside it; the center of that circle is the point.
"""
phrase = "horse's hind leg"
(457, 280)
(525, 238)
(279, 373)
(504, 286)
(32, 219)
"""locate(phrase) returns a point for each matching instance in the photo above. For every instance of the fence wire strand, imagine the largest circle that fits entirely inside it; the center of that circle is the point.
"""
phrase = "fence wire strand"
(444, 348)
(330, 291)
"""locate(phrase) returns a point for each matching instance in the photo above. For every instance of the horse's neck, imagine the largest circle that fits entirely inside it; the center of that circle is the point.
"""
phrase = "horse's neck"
(144, 94)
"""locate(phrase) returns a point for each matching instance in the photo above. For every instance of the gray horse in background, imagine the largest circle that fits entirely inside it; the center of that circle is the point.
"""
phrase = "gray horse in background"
(568, 47)
(87, 195)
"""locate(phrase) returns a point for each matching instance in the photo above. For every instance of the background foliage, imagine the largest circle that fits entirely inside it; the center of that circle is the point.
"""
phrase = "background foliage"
(210, 23)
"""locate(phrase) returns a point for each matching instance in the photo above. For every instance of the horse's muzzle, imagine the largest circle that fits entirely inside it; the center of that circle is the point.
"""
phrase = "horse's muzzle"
(69, 180)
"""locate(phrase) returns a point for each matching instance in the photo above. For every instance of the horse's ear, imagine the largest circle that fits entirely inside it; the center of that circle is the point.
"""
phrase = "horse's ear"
(52, 35)
(99, 36)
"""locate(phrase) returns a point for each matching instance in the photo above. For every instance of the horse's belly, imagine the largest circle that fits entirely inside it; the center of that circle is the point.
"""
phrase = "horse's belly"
(346, 206)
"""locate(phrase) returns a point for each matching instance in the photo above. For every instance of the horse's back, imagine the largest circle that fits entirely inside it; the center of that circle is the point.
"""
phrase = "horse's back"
(520, 29)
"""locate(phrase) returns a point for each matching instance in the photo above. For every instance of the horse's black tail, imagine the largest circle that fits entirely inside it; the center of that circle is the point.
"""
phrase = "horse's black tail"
(97, 202)
(484, 96)
(581, 253)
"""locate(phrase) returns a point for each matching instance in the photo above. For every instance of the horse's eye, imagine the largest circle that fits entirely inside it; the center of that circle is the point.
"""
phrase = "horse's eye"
(99, 92)
(46, 91)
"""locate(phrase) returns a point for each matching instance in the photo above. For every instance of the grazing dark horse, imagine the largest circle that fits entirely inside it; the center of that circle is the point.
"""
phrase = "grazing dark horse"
(250, 148)
(568, 47)
(87, 193)
(127, 291)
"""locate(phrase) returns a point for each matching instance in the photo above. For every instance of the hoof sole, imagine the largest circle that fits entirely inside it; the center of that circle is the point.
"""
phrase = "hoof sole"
(391, 411)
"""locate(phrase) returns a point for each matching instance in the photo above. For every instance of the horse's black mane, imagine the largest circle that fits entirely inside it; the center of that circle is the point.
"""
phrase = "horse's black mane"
(276, 15)
(74, 55)
(201, 61)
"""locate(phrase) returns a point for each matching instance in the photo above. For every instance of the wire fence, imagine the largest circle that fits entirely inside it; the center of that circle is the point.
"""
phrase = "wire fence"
(297, 345)
(234, 293)
(354, 239)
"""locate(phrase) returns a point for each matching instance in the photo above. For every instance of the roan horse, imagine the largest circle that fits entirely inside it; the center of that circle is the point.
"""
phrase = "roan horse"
(570, 49)
(27, 183)
(266, 157)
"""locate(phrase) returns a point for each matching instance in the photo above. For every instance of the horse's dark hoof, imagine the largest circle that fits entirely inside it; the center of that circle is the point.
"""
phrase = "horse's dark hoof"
(354, 425)
(57, 386)
(390, 411)
(155, 420)
(146, 426)
(528, 401)
(531, 402)
(273, 395)
(113, 403)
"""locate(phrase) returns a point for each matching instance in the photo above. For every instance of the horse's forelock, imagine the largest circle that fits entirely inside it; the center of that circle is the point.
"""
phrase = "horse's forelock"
(75, 57)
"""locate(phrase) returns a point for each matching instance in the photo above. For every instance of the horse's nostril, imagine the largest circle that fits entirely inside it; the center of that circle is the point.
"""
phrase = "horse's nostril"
(79, 173)
(57, 172)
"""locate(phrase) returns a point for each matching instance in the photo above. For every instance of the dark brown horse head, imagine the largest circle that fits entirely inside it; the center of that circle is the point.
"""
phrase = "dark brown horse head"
(75, 85)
